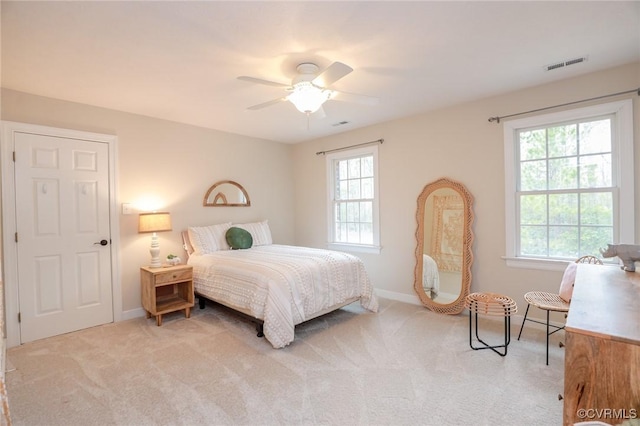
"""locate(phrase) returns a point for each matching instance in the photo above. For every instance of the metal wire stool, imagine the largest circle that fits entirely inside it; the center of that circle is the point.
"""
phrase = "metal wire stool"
(490, 304)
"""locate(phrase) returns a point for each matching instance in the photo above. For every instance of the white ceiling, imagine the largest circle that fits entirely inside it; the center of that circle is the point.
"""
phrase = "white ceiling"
(180, 60)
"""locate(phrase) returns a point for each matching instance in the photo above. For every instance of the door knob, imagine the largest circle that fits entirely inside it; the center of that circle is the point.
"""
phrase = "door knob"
(102, 243)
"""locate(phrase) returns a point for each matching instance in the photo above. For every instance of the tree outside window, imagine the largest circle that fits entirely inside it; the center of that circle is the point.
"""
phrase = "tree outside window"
(353, 198)
(569, 184)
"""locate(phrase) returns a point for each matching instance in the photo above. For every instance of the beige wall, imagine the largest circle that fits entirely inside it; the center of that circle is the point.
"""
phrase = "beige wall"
(173, 165)
(458, 143)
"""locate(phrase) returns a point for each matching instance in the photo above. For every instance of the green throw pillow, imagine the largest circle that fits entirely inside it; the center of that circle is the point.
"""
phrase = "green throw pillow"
(238, 238)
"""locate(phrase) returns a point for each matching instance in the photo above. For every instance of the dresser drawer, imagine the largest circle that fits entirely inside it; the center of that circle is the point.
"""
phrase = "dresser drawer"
(171, 276)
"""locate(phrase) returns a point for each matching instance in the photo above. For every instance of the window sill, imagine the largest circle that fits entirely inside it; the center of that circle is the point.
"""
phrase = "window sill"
(535, 263)
(546, 264)
(360, 248)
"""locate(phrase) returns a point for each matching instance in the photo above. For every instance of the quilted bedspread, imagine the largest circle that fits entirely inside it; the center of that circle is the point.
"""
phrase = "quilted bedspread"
(282, 285)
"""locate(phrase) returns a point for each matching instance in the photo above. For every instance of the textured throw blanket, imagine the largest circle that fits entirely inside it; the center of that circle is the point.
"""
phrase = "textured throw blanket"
(282, 285)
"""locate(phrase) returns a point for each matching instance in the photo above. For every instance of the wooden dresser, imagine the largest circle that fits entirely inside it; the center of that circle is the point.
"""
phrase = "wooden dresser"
(602, 359)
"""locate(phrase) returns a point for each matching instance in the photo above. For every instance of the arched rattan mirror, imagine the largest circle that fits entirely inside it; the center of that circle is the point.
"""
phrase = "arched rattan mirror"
(226, 193)
(442, 276)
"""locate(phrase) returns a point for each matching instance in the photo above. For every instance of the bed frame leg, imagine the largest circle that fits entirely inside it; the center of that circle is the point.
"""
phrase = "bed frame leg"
(260, 330)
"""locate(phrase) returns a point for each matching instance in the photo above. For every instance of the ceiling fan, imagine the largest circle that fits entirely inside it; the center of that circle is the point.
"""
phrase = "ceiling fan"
(310, 89)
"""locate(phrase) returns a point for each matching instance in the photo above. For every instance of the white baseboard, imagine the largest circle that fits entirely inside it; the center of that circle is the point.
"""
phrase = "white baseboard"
(400, 297)
(133, 313)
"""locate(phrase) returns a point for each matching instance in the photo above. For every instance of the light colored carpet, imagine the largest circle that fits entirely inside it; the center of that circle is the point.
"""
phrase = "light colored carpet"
(402, 366)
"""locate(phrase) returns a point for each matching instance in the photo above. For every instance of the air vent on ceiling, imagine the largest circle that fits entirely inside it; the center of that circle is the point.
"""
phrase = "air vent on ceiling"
(340, 123)
(566, 63)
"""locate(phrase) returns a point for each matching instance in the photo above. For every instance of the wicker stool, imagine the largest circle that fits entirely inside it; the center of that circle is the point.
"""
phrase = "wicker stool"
(490, 304)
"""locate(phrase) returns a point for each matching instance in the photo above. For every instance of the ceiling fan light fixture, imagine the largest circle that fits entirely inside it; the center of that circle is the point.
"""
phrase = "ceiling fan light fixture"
(307, 97)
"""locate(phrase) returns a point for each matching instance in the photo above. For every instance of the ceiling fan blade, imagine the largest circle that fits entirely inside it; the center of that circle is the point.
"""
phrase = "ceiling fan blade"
(320, 114)
(261, 81)
(354, 97)
(333, 73)
(266, 104)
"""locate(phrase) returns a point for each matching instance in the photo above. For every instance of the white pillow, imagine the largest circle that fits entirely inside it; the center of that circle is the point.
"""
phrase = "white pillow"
(259, 231)
(207, 239)
(566, 285)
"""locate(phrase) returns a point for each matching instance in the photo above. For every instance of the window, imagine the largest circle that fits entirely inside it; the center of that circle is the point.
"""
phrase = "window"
(569, 184)
(353, 199)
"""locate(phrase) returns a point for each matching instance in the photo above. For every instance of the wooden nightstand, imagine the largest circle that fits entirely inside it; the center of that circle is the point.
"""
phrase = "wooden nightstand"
(166, 289)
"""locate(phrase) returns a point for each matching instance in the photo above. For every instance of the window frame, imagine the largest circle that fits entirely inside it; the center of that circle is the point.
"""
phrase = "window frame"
(331, 158)
(623, 175)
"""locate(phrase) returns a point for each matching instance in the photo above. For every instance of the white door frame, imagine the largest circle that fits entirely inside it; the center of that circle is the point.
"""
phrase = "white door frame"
(9, 248)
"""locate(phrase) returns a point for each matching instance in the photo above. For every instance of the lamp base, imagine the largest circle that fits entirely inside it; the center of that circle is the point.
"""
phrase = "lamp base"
(155, 252)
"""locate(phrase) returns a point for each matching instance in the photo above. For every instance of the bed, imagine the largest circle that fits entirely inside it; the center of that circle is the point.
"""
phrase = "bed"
(430, 276)
(279, 286)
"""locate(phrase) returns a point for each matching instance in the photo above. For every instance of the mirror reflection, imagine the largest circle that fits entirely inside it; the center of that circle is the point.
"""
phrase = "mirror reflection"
(443, 252)
(226, 193)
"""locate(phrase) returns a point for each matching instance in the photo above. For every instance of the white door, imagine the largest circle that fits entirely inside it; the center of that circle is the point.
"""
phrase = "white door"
(63, 235)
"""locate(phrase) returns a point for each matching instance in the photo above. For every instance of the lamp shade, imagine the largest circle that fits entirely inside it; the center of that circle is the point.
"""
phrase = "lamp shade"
(307, 97)
(154, 222)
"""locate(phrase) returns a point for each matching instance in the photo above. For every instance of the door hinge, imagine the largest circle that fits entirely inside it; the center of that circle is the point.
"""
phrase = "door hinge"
(14, 156)
(19, 317)
(16, 237)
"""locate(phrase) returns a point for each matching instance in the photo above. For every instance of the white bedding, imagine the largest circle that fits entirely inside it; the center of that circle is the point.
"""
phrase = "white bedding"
(282, 285)
(430, 276)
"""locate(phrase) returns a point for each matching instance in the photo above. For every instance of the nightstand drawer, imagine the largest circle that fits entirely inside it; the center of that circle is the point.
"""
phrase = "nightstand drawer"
(171, 276)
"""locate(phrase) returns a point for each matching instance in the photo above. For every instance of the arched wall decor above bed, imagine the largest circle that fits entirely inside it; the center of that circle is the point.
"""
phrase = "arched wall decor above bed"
(226, 193)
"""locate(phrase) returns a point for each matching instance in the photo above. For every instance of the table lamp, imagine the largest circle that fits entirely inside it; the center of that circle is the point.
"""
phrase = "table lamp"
(154, 222)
